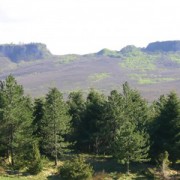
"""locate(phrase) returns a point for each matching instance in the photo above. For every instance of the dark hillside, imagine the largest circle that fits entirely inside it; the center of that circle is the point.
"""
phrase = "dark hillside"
(164, 46)
(26, 52)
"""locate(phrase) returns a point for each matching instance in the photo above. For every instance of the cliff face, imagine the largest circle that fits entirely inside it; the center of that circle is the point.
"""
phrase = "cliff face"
(165, 46)
(24, 52)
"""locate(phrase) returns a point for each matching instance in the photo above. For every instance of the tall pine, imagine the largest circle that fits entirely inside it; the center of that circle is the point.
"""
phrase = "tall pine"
(130, 145)
(77, 107)
(166, 135)
(16, 119)
(56, 124)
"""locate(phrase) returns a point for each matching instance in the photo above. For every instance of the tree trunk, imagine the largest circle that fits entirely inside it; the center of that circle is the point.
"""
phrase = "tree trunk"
(11, 146)
(55, 145)
(56, 158)
(96, 146)
(127, 167)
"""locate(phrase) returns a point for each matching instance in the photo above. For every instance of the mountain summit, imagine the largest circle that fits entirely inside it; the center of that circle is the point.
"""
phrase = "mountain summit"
(164, 46)
(26, 52)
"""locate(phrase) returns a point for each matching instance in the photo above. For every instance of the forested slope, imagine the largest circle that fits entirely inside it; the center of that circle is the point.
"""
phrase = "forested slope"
(122, 125)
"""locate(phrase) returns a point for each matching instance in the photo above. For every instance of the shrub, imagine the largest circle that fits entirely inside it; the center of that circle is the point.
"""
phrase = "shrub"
(150, 173)
(35, 168)
(36, 165)
(164, 162)
(76, 169)
(2, 170)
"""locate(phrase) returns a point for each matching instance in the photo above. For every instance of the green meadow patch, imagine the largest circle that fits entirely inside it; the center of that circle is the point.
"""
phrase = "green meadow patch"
(65, 59)
(99, 76)
(155, 80)
(139, 60)
(175, 57)
(150, 78)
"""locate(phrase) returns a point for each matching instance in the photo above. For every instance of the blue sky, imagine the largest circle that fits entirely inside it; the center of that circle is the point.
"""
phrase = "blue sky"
(85, 26)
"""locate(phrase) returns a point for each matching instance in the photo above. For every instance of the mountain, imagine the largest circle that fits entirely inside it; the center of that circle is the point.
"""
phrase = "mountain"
(153, 70)
(26, 52)
(108, 52)
(165, 46)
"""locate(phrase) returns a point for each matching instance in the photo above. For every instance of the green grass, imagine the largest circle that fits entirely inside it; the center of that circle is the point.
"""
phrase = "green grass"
(99, 76)
(108, 52)
(155, 80)
(105, 167)
(146, 81)
(139, 60)
(65, 59)
(49, 172)
(150, 78)
(175, 57)
(9, 178)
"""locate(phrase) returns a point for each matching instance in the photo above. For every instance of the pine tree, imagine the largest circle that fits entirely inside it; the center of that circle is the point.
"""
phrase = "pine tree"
(136, 108)
(56, 123)
(113, 117)
(130, 145)
(93, 120)
(167, 127)
(16, 118)
(121, 107)
(38, 114)
(77, 107)
(35, 165)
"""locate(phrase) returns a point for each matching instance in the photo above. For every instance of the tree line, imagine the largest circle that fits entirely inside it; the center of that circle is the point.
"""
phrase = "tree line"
(122, 124)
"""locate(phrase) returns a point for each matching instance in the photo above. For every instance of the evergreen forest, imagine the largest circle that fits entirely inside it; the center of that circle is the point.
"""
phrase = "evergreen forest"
(76, 133)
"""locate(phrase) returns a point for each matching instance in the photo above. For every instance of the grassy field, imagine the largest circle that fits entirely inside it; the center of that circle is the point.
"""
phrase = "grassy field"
(175, 57)
(105, 168)
(99, 76)
(139, 61)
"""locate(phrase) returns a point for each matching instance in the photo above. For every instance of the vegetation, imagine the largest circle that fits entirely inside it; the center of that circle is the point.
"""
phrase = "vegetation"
(56, 124)
(115, 129)
(175, 57)
(143, 78)
(76, 169)
(138, 60)
(108, 52)
(36, 165)
(99, 76)
(65, 59)
(16, 119)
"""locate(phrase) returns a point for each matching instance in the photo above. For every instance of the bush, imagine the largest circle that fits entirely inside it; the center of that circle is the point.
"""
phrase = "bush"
(150, 173)
(2, 170)
(36, 164)
(35, 168)
(76, 169)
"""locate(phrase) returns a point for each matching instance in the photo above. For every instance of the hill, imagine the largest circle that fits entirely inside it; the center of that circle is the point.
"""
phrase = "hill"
(165, 46)
(153, 70)
(26, 52)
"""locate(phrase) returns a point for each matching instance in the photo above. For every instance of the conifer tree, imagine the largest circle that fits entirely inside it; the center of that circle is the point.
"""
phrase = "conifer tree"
(56, 123)
(167, 127)
(38, 114)
(35, 165)
(130, 145)
(77, 107)
(135, 107)
(93, 120)
(16, 119)
(113, 117)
